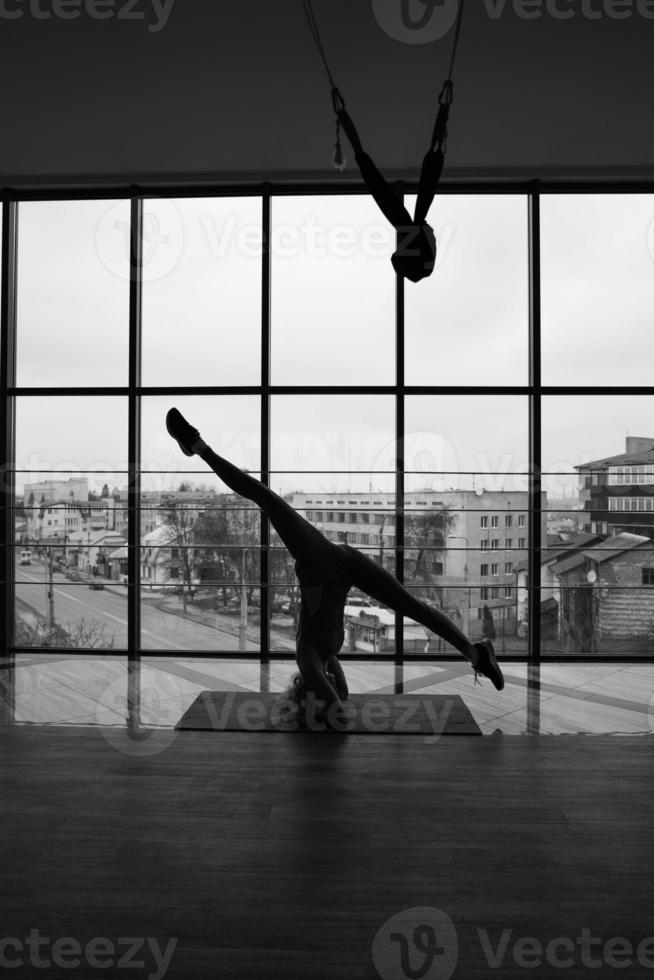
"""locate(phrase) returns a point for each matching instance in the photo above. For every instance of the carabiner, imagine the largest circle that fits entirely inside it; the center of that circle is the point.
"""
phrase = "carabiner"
(447, 93)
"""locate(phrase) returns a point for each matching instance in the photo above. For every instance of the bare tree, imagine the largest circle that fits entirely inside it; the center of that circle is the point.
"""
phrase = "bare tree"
(425, 542)
(181, 521)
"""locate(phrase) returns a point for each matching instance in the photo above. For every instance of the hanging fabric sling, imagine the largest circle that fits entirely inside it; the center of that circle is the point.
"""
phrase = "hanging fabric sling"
(415, 256)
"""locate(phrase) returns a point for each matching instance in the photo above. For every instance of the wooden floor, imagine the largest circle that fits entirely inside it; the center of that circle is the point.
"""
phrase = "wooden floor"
(275, 856)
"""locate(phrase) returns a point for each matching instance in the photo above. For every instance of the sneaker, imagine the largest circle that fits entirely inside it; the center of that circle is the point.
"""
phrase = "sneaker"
(180, 430)
(487, 665)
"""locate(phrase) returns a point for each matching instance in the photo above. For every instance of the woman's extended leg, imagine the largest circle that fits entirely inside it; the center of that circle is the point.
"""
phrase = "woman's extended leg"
(370, 577)
(302, 539)
(385, 588)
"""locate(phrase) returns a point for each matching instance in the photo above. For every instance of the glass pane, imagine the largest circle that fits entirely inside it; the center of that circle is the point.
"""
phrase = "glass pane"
(73, 293)
(466, 515)
(468, 323)
(598, 569)
(202, 291)
(597, 260)
(336, 440)
(71, 522)
(332, 460)
(200, 543)
(333, 292)
(59, 689)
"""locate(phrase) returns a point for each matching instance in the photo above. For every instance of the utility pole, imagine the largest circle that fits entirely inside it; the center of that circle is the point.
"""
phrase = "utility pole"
(50, 590)
(243, 624)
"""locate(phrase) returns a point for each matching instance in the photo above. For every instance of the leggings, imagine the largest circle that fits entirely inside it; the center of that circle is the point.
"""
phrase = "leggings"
(313, 550)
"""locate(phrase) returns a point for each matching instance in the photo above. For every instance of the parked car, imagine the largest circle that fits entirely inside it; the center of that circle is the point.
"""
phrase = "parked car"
(95, 585)
(26, 557)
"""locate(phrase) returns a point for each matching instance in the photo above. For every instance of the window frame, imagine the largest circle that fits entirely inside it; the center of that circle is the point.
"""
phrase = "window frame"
(134, 391)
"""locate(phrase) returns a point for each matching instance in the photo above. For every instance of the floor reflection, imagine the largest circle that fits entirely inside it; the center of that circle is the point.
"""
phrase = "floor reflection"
(554, 699)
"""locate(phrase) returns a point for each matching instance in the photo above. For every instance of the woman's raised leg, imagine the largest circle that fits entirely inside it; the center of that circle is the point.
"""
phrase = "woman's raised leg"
(303, 540)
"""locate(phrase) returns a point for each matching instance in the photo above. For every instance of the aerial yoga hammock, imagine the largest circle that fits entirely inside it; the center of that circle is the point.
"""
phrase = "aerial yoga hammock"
(415, 256)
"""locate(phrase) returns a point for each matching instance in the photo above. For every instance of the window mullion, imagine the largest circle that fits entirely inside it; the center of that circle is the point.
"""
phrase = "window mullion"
(535, 432)
(265, 565)
(400, 411)
(134, 433)
(7, 431)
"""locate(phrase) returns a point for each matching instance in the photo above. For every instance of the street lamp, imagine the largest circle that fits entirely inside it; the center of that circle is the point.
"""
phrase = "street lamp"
(466, 590)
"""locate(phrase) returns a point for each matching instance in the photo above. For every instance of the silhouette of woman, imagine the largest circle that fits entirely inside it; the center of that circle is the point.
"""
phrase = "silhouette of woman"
(326, 572)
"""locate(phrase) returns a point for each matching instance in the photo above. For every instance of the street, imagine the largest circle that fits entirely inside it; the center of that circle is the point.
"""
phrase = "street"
(74, 602)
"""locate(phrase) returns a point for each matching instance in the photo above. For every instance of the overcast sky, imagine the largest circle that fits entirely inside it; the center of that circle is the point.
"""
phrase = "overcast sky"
(332, 323)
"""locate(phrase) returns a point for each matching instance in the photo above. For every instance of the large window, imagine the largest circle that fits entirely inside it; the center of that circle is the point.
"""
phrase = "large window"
(411, 421)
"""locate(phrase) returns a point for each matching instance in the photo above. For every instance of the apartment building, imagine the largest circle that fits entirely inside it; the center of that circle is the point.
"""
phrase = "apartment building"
(617, 492)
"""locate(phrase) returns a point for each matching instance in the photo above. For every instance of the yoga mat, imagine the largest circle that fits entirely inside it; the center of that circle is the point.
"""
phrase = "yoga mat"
(427, 715)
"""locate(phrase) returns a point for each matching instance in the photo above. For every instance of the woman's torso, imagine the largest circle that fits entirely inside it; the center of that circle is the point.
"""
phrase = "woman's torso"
(324, 590)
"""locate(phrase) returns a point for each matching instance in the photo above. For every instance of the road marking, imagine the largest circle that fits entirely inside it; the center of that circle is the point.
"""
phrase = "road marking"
(100, 612)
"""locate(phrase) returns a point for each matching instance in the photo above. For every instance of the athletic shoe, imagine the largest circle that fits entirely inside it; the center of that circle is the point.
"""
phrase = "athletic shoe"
(180, 430)
(487, 665)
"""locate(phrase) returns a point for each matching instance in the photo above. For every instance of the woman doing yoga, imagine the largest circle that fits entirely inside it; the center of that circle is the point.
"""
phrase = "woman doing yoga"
(326, 572)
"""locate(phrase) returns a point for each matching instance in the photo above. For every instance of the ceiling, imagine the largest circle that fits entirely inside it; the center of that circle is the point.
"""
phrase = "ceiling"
(234, 89)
